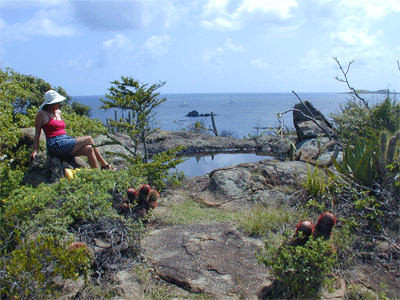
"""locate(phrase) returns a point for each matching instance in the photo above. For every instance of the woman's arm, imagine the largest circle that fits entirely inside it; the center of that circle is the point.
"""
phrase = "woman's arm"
(39, 121)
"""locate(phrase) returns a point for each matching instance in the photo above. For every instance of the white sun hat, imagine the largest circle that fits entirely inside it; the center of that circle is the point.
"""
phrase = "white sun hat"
(51, 97)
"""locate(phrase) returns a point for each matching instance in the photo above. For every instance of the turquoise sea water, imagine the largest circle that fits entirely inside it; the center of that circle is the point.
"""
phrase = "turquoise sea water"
(238, 113)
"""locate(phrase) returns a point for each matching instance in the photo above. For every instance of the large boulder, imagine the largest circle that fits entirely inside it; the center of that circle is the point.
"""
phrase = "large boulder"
(49, 169)
(244, 186)
(310, 122)
(212, 258)
(305, 117)
(316, 137)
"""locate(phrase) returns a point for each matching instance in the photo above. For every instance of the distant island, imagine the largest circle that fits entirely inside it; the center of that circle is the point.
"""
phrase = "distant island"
(385, 91)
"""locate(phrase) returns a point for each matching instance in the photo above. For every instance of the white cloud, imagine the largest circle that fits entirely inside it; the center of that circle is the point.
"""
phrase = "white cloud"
(231, 46)
(79, 63)
(353, 37)
(220, 23)
(157, 45)
(260, 64)
(119, 42)
(347, 30)
(163, 14)
(314, 61)
(216, 14)
(212, 56)
(45, 23)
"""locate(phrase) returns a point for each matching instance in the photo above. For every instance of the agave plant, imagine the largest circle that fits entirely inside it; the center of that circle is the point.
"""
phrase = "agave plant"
(361, 162)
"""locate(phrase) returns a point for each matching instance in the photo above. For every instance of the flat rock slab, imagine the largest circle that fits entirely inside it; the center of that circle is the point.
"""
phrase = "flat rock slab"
(212, 258)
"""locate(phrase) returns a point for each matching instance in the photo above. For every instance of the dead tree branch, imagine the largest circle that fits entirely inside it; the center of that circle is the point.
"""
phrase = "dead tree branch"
(345, 80)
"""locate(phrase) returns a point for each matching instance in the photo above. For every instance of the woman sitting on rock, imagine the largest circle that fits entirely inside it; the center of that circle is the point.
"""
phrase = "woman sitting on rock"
(58, 142)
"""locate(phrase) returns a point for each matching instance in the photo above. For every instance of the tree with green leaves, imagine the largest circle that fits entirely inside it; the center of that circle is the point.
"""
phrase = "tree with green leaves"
(138, 99)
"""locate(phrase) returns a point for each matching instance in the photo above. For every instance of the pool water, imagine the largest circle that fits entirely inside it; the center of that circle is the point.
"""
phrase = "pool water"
(196, 166)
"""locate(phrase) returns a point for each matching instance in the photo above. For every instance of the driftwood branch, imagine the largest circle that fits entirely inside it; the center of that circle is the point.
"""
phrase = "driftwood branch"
(282, 122)
(345, 80)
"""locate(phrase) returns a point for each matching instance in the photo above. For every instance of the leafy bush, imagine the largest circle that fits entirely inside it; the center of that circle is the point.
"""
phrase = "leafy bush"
(198, 127)
(355, 119)
(28, 271)
(81, 109)
(386, 115)
(157, 172)
(300, 271)
(9, 179)
(52, 209)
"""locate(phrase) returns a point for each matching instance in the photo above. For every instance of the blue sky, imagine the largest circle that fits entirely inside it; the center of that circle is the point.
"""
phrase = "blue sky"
(204, 46)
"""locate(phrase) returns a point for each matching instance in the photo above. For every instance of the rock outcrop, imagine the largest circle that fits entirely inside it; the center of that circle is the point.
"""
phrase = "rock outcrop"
(309, 122)
(49, 169)
(213, 258)
(241, 187)
(316, 137)
(207, 144)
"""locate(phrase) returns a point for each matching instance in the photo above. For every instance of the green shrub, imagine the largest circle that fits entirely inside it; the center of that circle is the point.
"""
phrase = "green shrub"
(53, 209)
(355, 119)
(81, 109)
(198, 127)
(386, 115)
(9, 179)
(28, 271)
(301, 271)
(161, 170)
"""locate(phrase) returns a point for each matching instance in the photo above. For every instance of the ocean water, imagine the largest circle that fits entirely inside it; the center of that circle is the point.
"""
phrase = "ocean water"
(238, 113)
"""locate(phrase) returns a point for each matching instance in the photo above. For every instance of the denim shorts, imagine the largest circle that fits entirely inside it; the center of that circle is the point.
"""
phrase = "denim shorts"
(61, 144)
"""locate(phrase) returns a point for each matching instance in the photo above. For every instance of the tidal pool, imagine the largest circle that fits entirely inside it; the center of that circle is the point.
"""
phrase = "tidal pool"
(201, 165)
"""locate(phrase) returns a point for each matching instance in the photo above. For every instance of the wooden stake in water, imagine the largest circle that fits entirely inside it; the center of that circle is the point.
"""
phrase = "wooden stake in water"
(213, 124)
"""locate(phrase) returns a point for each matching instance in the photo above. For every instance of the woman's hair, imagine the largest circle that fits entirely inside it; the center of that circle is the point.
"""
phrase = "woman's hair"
(47, 105)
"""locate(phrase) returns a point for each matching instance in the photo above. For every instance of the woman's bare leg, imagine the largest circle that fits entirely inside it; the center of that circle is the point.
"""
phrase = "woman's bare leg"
(81, 143)
(88, 151)
(99, 157)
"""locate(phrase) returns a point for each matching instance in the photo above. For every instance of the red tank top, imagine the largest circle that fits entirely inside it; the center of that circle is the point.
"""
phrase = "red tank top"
(54, 128)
